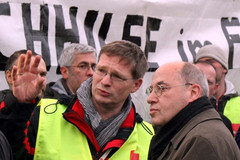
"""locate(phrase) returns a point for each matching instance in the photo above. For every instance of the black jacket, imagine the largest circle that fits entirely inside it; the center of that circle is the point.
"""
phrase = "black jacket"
(5, 149)
(23, 119)
(238, 138)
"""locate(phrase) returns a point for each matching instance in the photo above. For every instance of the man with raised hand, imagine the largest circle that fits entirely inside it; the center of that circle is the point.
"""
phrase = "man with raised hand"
(100, 122)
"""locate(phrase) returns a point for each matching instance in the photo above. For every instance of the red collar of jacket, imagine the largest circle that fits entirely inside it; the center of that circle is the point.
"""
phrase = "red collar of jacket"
(75, 115)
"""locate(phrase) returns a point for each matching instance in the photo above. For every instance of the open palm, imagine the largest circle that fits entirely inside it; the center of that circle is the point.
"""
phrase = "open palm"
(26, 82)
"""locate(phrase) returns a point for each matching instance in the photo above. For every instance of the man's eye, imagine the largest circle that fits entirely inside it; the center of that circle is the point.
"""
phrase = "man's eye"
(82, 66)
(162, 88)
(211, 61)
(117, 77)
(210, 83)
(101, 70)
(43, 74)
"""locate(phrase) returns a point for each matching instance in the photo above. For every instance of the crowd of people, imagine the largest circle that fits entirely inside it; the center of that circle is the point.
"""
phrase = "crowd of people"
(89, 113)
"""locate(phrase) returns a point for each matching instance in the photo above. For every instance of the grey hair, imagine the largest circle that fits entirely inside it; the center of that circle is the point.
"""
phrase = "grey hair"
(192, 74)
(67, 56)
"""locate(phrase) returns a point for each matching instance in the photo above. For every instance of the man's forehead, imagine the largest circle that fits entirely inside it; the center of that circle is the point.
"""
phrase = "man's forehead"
(164, 77)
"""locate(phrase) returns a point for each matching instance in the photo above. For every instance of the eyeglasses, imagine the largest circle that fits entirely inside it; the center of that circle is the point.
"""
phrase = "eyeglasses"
(159, 89)
(113, 76)
(85, 67)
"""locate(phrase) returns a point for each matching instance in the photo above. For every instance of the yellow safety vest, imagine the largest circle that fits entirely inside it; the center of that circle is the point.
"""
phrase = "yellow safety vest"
(232, 112)
(57, 139)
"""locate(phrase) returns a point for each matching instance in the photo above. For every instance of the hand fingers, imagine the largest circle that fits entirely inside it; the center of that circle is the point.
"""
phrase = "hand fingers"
(34, 66)
(20, 64)
(14, 74)
(27, 61)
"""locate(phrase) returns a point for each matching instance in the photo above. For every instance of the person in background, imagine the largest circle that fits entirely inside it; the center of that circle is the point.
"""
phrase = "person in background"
(76, 61)
(238, 137)
(189, 126)
(227, 98)
(5, 148)
(6, 95)
(12, 61)
(211, 76)
(100, 122)
(76, 65)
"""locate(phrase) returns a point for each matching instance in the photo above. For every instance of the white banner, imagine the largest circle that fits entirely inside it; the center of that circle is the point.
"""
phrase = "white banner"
(167, 30)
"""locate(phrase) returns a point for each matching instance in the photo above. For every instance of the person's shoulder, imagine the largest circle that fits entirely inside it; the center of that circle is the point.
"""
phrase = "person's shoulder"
(213, 134)
(213, 130)
(6, 152)
(234, 98)
(230, 88)
(206, 124)
(3, 93)
(50, 92)
(146, 128)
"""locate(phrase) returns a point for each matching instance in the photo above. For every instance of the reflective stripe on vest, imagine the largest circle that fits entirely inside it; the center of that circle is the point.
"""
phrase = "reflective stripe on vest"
(58, 139)
(232, 112)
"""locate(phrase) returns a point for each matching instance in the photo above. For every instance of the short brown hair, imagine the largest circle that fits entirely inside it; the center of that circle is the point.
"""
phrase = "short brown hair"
(130, 52)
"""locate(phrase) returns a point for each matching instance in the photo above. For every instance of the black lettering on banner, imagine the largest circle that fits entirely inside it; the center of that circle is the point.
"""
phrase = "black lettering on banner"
(153, 24)
(231, 38)
(130, 21)
(88, 26)
(64, 35)
(3, 60)
(37, 35)
(196, 44)
(181, 49)
(191, 46)
(4, 11)
(102, 34)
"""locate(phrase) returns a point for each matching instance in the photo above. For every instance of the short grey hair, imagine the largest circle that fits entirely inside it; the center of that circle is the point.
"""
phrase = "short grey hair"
(192, 74)
(67, 55)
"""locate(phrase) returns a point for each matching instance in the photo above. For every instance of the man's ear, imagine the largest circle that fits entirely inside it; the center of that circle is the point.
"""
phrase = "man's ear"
(225, 71)
(65, 72)
(137, 85)
(195, 92)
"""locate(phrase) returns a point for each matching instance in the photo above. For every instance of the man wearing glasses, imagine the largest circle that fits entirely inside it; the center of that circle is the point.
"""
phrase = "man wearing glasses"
(189, 126)
(77, 62)
(99, 123)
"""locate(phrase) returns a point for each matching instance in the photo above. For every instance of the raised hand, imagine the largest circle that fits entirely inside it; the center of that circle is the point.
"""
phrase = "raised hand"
(26, 82)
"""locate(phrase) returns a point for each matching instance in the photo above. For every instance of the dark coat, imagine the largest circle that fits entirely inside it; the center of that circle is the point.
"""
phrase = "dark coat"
(5, 149)
(238, 138)
(203, 137)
